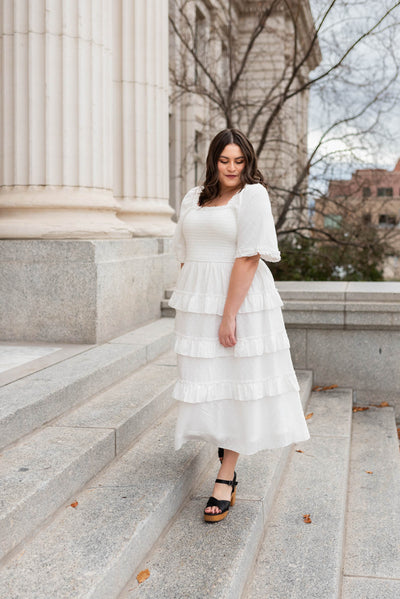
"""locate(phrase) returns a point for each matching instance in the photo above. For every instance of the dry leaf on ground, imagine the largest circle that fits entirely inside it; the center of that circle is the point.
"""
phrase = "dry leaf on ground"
(74, 504)
(309, 415)
(322, 388)
(299, 451)
(383, 404)
(360, 408)
(369, 471)
(142, 576)
(306, 518)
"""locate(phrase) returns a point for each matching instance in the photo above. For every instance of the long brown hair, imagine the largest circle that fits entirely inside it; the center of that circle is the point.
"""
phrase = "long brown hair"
(249, 174)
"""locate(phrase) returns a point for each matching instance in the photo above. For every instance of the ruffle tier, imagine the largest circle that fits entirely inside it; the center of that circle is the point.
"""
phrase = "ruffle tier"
(256, 332)
(197, 279)
(247, 390)
(202, 347)
(243, 426)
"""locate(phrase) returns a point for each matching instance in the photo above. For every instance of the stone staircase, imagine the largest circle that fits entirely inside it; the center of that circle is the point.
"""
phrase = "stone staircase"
(92, 491)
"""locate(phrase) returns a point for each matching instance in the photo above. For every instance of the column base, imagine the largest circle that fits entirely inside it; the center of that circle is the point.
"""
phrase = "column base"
(147, 218)
(50, 212)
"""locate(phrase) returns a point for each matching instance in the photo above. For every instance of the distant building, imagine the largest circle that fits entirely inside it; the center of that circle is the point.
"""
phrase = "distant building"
(370, 197)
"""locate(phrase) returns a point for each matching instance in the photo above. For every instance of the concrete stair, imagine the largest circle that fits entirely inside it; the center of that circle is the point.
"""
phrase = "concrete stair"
(140, 502)
(32, 401)
(372, 543)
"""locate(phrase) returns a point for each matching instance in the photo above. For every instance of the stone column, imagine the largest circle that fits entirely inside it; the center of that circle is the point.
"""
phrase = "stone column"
(141, 156)
(56, 120)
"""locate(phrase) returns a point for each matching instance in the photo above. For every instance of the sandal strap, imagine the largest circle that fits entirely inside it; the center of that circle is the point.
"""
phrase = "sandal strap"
(221, 504)
(225, 482)
(231, 483)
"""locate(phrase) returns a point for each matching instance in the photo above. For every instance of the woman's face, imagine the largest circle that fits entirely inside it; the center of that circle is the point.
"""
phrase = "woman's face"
(230, 164)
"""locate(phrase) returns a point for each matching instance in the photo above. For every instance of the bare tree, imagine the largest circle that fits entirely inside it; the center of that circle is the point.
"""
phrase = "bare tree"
(345, 58)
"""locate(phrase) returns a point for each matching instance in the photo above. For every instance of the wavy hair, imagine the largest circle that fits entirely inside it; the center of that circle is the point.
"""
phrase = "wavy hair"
(249, 174)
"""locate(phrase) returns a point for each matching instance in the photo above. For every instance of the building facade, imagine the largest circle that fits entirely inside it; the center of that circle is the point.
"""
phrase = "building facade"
(221, 35)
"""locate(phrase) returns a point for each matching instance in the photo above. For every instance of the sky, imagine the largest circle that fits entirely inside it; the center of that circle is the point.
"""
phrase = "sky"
(372, 139)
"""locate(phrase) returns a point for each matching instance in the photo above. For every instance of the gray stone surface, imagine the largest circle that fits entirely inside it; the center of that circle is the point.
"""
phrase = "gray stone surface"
(312, 290)
(38, 475)
(332, 413)
(372, 315)
(298, 346)
(370, 588)
(289, 563)
(91, 551)
(128, 407)
(81, 291)
(314, 314)
(373, 518)
(197, 559)
(156, 336)
(34, 400)
(167, 310)
(363, 360)
(381, 291)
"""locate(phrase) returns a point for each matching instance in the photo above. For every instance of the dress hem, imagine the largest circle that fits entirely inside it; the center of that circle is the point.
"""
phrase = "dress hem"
(241, 450)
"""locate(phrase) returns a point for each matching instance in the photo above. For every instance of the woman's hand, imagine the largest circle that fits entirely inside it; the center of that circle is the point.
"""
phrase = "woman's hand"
(227, 331)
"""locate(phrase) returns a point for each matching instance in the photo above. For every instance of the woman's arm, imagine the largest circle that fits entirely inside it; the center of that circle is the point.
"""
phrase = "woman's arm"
(242, 275)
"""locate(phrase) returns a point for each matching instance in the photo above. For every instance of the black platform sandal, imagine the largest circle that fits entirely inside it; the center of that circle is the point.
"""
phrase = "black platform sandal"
(221, 504)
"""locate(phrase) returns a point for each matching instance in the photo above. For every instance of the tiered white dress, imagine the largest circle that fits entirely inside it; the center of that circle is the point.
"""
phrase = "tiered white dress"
(245, 397)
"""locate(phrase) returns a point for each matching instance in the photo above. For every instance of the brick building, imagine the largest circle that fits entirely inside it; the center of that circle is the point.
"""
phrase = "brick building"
(370, 197)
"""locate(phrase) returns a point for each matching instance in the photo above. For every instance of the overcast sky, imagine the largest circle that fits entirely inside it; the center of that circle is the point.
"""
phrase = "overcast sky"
(365, 73)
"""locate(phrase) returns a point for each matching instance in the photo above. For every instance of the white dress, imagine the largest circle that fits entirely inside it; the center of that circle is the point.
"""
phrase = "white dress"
(245, 397)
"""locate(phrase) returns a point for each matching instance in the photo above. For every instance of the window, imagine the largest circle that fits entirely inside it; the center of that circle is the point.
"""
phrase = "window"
(332, 221)
(385, 191)
(366, 218)
(366, 192)
(387, 220)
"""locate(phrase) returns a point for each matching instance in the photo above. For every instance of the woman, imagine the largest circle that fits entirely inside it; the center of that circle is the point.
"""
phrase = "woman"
(237, 387)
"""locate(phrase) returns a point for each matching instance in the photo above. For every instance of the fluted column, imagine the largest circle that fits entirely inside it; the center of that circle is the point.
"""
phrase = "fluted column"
(56, 120)
(141, 162)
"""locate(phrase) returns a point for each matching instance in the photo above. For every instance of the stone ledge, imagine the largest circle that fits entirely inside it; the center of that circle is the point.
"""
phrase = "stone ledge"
(341, 305)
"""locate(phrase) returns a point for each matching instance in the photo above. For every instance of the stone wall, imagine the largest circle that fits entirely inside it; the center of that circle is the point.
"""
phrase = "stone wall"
(348, 333)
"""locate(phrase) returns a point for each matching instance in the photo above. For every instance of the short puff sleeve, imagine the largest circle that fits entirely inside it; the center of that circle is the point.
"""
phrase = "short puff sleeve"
(256, 227)
(178, 240)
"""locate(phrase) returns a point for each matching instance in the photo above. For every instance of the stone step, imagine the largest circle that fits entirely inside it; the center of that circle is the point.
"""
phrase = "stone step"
(30, 402)
(372, 545)
(91, 550)
(197, 559)
(298, 559)
(43, 470)
(166, 311)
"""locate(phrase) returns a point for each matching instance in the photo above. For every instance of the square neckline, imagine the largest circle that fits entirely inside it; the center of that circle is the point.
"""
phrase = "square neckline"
(223, 205)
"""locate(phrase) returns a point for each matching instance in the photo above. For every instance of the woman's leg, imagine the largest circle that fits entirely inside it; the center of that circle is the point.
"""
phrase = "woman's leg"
(226, 472)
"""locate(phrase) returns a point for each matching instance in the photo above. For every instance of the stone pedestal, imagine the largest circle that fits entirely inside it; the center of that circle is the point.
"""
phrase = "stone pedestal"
(81, 291)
